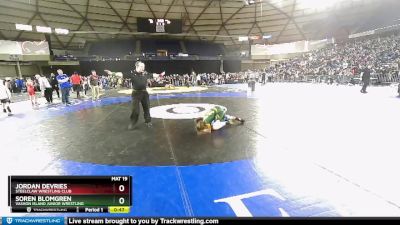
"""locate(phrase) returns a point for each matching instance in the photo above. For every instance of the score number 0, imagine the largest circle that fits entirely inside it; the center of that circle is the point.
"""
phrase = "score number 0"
(121, 188)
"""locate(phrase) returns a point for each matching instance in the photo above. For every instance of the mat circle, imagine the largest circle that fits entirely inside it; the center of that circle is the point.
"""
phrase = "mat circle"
(182, 111)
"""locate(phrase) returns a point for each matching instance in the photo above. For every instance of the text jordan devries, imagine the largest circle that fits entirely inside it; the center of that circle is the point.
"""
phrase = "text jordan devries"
(41, 186)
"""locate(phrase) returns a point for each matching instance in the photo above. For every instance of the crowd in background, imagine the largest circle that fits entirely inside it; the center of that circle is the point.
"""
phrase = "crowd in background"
(340, 63)
(344, 61)
(194, 79)
(63, 85)
(18, 85)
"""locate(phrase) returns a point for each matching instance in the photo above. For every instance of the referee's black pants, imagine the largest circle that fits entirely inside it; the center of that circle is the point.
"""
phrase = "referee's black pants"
(364, 87)
(142, 97)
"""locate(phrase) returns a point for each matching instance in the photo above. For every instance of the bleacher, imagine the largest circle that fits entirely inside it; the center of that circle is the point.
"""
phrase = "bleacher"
(151, 46)
(204, 48)
(112, 48)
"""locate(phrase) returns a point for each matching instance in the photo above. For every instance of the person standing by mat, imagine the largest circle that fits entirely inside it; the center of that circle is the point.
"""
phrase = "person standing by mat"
(45, 88)
(365, 78)
(93, 82)
(65, 86)
(252, 80)
(54, 84)
(30, 88)
(140, 79)
(5, 98)
(76, 83)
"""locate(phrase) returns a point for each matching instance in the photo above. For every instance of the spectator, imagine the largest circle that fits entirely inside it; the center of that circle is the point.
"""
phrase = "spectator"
(76, 83)
(94, 85)
(85, 84)
(30, 88)
(5, 98)
(54, 84)
(366, 76)
(45, 88)
(65, 86)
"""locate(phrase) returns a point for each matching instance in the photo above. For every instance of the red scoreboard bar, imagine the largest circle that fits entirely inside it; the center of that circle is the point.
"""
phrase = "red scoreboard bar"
(82, 194)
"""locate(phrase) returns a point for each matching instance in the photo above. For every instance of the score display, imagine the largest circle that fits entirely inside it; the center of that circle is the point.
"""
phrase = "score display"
(86, 194)
(150, 25)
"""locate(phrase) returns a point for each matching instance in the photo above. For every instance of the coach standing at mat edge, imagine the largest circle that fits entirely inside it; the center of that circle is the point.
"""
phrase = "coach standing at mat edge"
(139, 79)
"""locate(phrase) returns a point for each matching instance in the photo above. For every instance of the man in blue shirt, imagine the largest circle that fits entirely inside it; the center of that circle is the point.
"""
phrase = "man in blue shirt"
(65, 86)
(20, 84)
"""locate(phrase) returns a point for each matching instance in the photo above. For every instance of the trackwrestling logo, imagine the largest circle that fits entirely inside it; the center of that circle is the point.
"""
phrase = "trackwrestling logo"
(33, 220)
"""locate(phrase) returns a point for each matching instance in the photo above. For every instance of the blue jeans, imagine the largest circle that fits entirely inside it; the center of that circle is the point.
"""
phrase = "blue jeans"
(65, 95)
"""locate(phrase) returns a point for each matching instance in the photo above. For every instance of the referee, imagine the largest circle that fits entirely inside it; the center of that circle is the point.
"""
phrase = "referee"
(139, 79)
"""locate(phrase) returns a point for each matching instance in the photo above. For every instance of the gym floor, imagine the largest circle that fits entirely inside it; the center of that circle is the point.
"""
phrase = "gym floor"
(304, 150)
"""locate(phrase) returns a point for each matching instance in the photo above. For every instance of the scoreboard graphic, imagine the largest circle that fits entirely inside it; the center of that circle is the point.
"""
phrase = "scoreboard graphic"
(74, 194)
(159, 25)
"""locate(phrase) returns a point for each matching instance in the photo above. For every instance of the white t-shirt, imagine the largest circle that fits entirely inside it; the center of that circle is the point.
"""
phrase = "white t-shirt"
(44, 83)
(4, 92)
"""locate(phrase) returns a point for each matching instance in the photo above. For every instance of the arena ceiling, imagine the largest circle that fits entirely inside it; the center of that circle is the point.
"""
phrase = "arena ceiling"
(220, 21)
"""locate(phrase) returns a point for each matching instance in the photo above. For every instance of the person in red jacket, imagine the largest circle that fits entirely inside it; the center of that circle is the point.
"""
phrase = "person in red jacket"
(76, 83)
(30, 88)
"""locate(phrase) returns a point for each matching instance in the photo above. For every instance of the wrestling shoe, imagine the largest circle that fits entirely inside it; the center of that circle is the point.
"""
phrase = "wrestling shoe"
(4, 111)
(240, 120)
(149, 125)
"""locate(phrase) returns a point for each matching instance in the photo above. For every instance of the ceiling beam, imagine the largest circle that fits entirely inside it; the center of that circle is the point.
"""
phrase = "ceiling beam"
(169, 8)
(47, 25)
(47, 10)
(29, 21)
(233, 40)
(289, 19)
(151, 10)
(295, 23)
(73, 35)
(80, 26)
(71, 15)
(252, 26)
(129, 13)
(223, 23)
(190, 27)
(255, 19)
(200, 14)
(83, 17)
(124, 24)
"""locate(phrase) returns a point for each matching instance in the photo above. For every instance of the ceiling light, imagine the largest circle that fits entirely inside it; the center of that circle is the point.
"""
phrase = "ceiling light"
(61, 31)
(243, 38)
(267, 36)
(23, 27)
(43, 29)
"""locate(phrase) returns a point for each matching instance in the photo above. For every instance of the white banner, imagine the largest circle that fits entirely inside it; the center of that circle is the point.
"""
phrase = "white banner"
(35, 48)
(288, 48)
(24, 48)
(10, 47)
(285, 48)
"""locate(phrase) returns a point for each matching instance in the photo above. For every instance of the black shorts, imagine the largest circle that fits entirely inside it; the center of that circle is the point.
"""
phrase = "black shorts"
(76, 87)
(5, 100)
